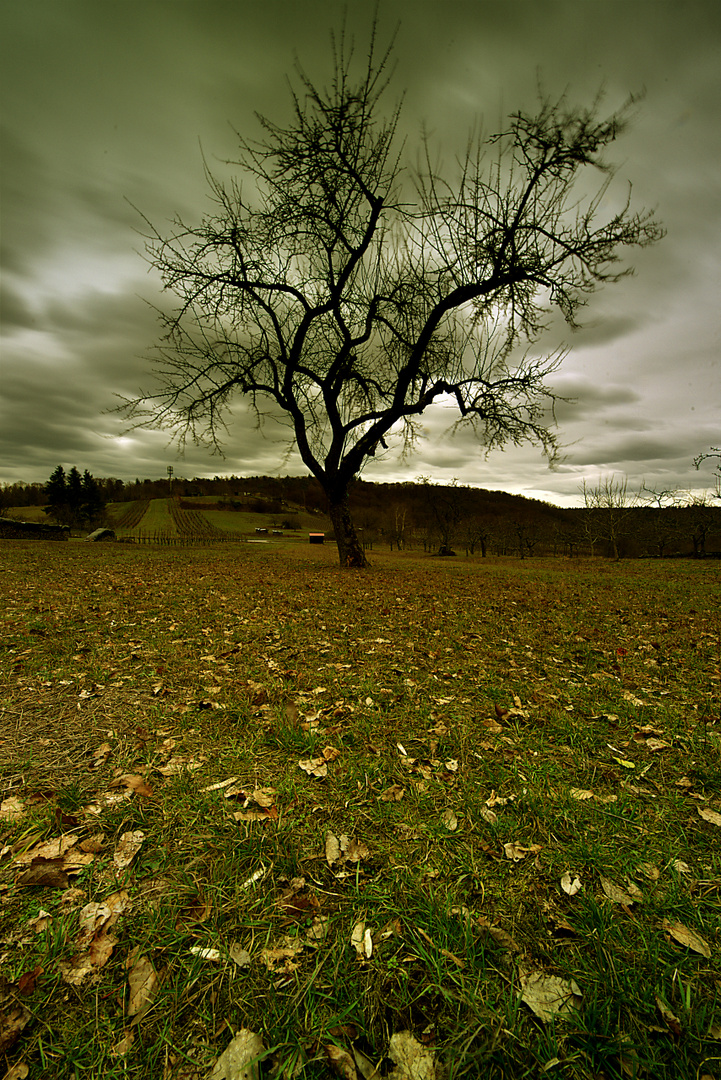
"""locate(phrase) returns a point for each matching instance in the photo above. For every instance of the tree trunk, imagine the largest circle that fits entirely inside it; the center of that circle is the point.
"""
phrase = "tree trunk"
(350, 551)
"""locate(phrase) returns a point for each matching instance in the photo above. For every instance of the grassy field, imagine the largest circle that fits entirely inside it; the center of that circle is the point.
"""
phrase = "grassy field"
(456, 811)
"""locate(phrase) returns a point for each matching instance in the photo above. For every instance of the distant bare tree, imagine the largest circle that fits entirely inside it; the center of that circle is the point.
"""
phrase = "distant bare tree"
(322, 290)
(713, 452)
(609, 503)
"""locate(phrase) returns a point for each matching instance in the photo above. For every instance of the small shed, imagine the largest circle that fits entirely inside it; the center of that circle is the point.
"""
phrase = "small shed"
(100, 534)
(316, 537)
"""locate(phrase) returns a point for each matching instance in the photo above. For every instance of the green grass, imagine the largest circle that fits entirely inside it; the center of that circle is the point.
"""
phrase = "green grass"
(238, 657)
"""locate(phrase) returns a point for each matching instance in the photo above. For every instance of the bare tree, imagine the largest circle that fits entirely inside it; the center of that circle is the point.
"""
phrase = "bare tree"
(713, 452)
(609, 505)
(323, 292)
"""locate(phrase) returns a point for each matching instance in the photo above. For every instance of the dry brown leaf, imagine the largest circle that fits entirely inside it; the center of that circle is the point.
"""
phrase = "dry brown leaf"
(516, 852)
(450, 820)
(142, 984)
(655, 745)
(239, 955)
(11, 809)
(27, 982)
(711, 816)
(180, 763)
(264, 796)
(569, 886)
(13, 1016)
(341, 1062)
(689, 938)
(212, 955)
(411, 1059)
(315, 767)
(221, 784)
(394, 793)
(580, 793)
(547, 995)
(101, 755)
(255, 815)
(616, 894)
(57, 848)
(133, 782)
(17, 1072)
(40, 921)
(671, 1021)
(47, 873)
(122, 1047)
(240, 1059)
(283, 954)
(332, 848)
(94, 844)
(127, 848)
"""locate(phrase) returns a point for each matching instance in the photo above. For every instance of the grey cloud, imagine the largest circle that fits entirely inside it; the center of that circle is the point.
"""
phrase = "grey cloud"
(106, 104)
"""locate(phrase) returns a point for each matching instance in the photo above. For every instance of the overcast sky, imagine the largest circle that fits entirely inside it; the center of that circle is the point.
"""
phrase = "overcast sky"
(107, 103)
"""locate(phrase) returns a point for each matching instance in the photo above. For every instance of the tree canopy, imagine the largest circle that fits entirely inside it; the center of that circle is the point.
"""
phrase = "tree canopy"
(338, 287)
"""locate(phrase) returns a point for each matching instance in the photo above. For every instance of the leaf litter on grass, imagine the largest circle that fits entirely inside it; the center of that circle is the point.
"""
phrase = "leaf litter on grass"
(436, 691)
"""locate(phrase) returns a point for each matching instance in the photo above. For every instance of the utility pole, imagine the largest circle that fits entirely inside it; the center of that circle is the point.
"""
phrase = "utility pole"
(170, 480)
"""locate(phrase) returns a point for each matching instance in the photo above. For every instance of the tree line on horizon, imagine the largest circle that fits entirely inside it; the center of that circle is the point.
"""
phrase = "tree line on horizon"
(439, 518)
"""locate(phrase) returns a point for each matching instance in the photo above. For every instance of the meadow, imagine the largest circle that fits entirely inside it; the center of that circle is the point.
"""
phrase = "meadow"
(444, 818)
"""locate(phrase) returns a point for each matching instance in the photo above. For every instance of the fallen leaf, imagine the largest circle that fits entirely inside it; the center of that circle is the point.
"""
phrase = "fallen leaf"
(133, 782)
(13, 1016)
(681, 867)
(516, 852)
(264, 796)
(180, 763)
(142, 984)
(101, 755)
(412, 1060)
(362, 940)
(47, 873)
(40, 921)
(11, 809)
(341, 1062)
(240, 1059)
(709, 815)
(450, 820)
(616, 894)
(580, 793)
(671, 1021)
(344, 849)
(221, 784)
(18, 1071)
(316, 767)
(332, 848)
(213, 955)
(394, 793)
(570, 887)
(127, 848)
(283, 954)
(257, 876)
(547, 995)
(122, 1047)
(239, 955)
(26, 982)
(689, 938)
(655, 745)
(57, 848)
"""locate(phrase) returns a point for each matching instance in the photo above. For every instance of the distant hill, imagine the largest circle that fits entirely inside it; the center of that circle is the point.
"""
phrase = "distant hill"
(410, 515)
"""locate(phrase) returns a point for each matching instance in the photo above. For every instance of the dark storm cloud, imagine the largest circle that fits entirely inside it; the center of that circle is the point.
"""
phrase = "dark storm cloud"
(107, 106)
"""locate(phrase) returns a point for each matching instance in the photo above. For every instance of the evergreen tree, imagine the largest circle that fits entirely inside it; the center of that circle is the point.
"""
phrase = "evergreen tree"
(56, 493)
